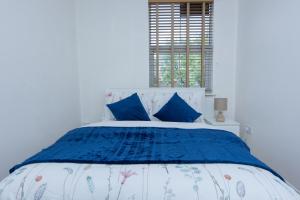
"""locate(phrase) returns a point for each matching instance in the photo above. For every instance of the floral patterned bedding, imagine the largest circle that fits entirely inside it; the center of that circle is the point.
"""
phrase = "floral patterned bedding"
(69, 181)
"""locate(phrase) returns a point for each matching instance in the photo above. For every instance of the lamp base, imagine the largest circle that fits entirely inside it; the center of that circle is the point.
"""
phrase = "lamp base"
(220, 117)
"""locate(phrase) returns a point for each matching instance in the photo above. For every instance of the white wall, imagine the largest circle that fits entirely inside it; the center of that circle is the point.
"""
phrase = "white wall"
(112, 50)
(268, 93)
(225, 43)
(112, 41)
(39, 98)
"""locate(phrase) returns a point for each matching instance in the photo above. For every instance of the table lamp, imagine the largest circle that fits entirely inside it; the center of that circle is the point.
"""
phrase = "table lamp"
(220, 106)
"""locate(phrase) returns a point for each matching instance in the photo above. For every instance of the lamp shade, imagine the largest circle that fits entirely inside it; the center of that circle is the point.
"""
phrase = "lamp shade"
(220, 104)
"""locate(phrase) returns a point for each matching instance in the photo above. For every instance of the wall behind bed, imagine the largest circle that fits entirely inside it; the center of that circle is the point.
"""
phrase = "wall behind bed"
(112, 41)
(39, 98)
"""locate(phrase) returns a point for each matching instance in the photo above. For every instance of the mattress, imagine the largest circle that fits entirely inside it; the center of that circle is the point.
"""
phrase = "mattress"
(167, 181)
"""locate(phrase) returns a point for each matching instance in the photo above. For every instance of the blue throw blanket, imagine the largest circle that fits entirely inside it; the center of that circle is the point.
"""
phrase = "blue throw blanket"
(147, 145)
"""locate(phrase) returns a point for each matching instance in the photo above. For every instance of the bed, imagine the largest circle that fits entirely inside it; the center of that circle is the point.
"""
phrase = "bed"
(146, 160)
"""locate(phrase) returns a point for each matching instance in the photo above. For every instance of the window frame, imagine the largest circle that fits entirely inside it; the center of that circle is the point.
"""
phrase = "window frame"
(155, 82)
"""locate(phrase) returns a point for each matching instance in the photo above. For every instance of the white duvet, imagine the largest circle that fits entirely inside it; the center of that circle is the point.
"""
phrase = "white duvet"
(69, 181)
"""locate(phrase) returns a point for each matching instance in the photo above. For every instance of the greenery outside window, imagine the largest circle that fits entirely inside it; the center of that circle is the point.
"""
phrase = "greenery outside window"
(181, 43)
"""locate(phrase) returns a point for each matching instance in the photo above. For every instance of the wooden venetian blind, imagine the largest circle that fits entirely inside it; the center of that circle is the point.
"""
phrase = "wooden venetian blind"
(181, 46)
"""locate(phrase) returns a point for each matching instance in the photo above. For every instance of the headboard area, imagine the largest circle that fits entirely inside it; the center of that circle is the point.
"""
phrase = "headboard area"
(154, 98)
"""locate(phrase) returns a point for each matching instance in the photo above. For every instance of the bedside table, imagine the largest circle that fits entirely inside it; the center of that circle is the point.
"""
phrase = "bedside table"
(228, 125)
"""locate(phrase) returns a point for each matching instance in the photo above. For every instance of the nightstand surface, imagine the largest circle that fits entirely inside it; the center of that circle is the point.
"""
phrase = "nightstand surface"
(228, 125)
(228, 122)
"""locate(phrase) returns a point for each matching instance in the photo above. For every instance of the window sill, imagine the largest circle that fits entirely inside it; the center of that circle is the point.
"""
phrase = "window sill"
(210, 94)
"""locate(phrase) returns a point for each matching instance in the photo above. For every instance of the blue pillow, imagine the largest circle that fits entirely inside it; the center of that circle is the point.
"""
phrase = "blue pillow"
(130, 108)
(177, 110)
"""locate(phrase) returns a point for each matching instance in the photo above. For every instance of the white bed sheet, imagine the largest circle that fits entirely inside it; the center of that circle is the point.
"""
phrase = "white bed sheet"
(184, 125)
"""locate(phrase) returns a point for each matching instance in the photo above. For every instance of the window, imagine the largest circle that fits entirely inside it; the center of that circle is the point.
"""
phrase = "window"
(181, 46)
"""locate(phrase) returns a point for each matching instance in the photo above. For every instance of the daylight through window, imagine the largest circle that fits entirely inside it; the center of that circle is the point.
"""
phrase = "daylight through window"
(181, 43)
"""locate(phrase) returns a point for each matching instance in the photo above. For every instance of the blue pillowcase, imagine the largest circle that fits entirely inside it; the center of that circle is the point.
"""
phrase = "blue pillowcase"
(177, 110)
(130, 108)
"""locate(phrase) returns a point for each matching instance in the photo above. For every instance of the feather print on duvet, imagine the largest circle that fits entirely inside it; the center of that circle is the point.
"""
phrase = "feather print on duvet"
(68, 181)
